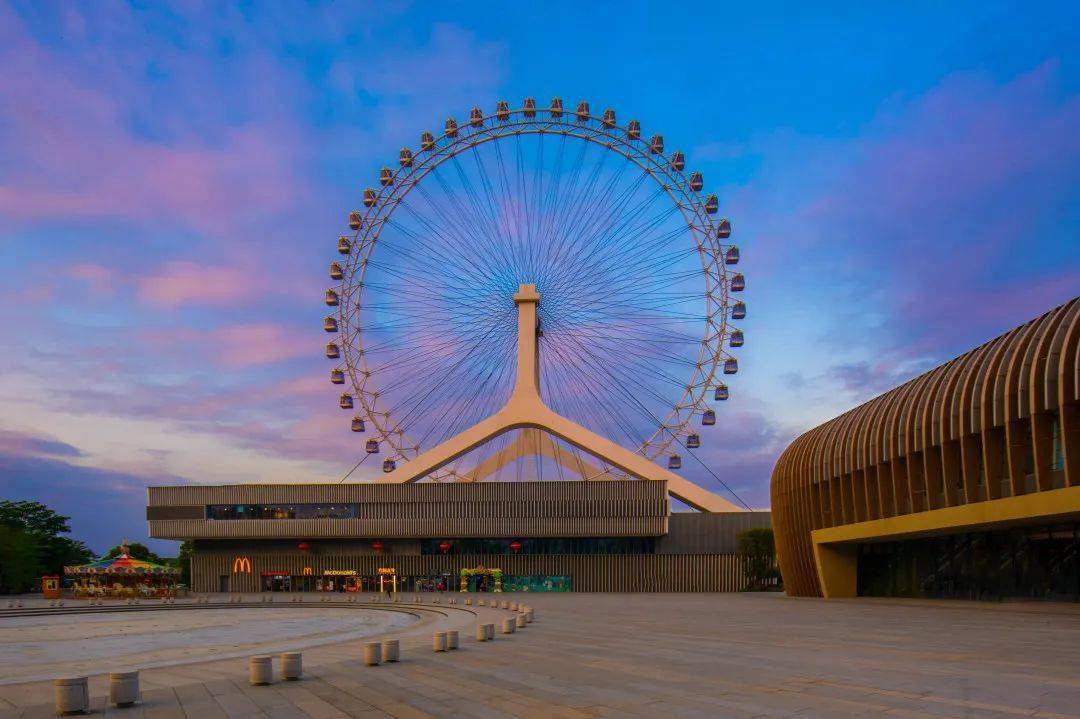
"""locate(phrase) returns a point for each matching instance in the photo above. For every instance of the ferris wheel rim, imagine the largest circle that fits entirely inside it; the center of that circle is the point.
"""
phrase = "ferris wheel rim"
(516, 123)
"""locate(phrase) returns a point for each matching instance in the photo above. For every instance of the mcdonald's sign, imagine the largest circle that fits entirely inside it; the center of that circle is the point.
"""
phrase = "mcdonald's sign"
(307, 571)
(241, 565)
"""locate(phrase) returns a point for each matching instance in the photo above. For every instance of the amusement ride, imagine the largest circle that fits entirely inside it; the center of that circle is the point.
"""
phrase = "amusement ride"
(536, 293)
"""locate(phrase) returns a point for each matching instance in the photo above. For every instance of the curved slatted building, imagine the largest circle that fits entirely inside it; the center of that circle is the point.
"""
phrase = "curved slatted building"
(964, 481)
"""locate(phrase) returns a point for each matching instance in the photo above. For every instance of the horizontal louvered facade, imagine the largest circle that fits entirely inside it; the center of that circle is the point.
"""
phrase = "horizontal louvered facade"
(481, 509)
(980, 441)
(387, 526)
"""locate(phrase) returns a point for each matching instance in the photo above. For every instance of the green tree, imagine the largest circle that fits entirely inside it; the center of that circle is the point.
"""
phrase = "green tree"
(33, 518)
(31, 545)
(183, 560)
(135, 550)
(757, 549)
(19, 563)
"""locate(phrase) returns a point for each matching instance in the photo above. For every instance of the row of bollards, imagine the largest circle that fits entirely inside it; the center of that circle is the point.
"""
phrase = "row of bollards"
(261, 668)
(72, 694)
(388, 650)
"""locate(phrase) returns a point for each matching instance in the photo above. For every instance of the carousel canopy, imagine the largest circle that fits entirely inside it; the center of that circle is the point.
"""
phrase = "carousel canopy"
(122, 563)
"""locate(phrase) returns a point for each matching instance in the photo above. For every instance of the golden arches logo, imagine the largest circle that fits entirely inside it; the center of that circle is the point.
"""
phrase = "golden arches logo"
(241, 565)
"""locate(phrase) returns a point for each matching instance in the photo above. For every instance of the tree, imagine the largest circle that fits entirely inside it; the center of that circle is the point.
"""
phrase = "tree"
(135, 550)
(183, 560)
(757, 549)
(31, 545)
(33, 518)
(19, 563)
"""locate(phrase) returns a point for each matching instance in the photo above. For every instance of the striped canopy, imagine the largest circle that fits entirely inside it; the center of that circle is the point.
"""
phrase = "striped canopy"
(123, 563)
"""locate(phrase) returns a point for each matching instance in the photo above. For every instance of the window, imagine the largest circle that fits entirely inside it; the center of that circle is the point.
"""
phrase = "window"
(543, 545)
(282, 511)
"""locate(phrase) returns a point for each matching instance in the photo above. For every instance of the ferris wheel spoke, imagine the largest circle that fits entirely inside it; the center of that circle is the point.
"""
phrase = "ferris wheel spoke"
(442, 263)
(480, 395)
(451, 236)
(602, 404)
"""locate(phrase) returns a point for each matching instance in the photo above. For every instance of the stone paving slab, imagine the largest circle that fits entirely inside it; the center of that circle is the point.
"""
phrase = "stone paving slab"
(650, 655)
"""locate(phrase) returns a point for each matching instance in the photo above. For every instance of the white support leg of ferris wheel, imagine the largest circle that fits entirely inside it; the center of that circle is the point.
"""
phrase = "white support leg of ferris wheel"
(526, 410)
(531, 443)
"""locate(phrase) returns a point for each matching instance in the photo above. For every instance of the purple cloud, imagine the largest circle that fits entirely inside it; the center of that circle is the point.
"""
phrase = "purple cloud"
(29, 445)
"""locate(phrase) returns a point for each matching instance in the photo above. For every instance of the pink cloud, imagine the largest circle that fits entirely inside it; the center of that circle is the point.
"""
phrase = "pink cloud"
(70, 150)
(100, 280)
(255, 344)
(182, 283)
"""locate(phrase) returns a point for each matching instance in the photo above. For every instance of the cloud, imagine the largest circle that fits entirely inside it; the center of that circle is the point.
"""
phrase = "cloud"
(73, 146)
(100, 280)
(105, 506)
(182, 282)
(28, 445)
(944, 221)
(255, 344)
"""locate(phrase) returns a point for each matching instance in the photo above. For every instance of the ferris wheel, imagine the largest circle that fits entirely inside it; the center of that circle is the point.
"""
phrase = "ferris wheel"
(634, 270)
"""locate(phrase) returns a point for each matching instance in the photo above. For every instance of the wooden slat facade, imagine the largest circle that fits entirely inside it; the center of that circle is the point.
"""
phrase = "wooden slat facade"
(708, 533)
(1002, 420)
(483, 509)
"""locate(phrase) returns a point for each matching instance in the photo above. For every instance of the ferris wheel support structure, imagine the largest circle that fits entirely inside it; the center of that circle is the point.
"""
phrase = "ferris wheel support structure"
(526, 410)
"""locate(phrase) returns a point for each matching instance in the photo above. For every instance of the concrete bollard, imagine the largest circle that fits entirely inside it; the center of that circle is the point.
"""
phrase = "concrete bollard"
(513, 606)
(123, 688)
(452, 639)
(519, 620)
(451, 600)
(372, 654)
(490, 630)
(60, 603)
(468, 602)
(435, 600)
(391, 650)
(438, 641)
(10, 604)
(71, 695)
(18, 603)
(509, 626)
(529, 616)
(292, 665)
(261, 670)
(481, 633)
(505, 604)
(481, 603)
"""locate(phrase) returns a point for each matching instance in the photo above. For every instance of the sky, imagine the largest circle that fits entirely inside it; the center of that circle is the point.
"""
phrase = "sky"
(901, 178)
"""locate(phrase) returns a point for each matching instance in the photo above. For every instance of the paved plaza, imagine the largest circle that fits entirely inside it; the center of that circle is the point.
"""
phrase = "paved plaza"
(640, 655)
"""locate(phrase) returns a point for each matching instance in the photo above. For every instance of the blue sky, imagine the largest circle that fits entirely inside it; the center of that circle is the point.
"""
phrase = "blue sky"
(902, 180)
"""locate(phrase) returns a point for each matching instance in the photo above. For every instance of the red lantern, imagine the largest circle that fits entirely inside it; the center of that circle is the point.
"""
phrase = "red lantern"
(304, 547)
(444, 547)
(377, 546)
(515, 546)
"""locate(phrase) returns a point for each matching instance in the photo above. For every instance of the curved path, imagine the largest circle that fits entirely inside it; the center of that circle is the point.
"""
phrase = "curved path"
(659, 655)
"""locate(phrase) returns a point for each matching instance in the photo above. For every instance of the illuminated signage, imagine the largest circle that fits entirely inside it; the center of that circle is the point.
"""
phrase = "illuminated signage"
(241, 565)
(387, 570)
(339, 572)
(307, 571)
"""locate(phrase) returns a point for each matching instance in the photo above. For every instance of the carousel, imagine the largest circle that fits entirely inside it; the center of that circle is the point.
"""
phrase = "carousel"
(123, 577)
